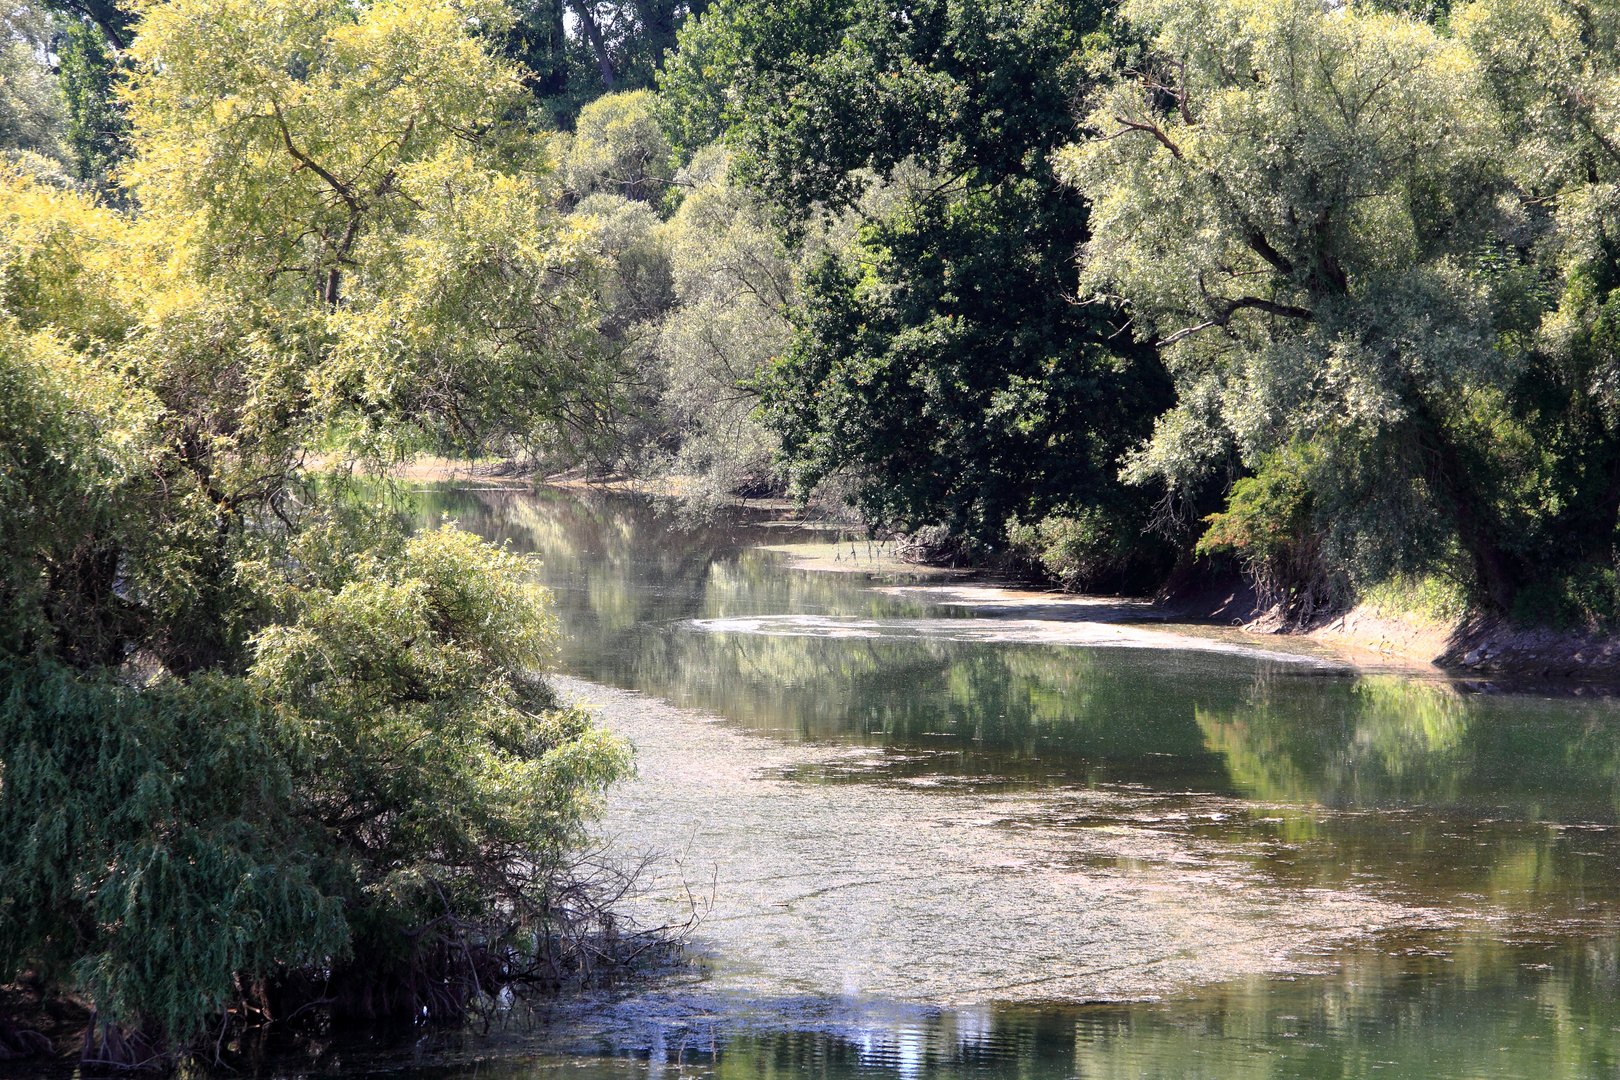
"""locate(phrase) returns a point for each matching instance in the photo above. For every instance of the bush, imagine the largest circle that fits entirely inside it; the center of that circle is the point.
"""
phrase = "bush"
(1585, 598)
(370, 797)
(1434, 597)
(1270, 523)
(1077, 551)
(152, 849)
(392, 782)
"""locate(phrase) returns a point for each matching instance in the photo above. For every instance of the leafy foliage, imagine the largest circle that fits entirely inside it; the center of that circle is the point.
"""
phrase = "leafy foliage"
(1293, 204)
(97, 129)
(938, 360)
(259, 748)
(1270, 522)
(619, 146)
(1089, 551)
(1353, 233)
(152, 851)
(30, 98)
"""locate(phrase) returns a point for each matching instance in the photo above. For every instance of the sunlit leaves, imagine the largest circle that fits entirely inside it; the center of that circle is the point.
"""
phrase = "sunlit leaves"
(1292, 201)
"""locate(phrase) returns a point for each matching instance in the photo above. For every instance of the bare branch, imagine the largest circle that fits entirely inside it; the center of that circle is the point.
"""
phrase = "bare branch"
(1151, 129)
(1232, 307)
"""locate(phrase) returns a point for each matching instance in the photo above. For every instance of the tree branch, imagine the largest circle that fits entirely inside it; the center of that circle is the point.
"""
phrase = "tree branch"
(338, 187)
(1262, 247)
(1232, 307)
(1151, 129)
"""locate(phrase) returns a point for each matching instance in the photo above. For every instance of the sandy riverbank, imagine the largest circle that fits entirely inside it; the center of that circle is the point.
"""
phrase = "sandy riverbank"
(1478, 649)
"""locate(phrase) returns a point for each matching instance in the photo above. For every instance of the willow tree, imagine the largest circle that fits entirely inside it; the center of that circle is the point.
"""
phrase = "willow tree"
(365, 176)
(258, 747)
(1302, 208)
(1553, 70)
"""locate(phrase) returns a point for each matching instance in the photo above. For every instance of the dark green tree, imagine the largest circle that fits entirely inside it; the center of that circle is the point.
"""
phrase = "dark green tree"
(614, 46)
(941, 358)
(97, 130)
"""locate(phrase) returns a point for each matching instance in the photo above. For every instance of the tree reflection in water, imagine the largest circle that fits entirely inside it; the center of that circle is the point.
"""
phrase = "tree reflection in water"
(1498, 807)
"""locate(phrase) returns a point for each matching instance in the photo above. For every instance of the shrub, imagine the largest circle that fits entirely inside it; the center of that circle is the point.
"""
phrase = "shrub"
(1270, 523)
(1078, 551)
(1585, 598)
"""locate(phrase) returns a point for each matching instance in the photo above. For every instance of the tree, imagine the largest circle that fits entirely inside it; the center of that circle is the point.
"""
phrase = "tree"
(1551, 70)
(260, 748)
(735, 283)
(409, 245)
(939, 359)
(619, 146)
(1303, 209)
(30, 99)
(97, 130)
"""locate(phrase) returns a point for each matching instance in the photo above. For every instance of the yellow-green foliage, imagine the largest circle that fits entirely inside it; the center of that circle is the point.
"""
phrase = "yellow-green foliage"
(249, 730)
(1431, 597)
(619, 147)
(413, 688)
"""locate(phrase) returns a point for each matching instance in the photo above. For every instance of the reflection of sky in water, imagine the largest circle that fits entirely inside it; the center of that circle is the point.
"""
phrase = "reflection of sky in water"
(1218, 788)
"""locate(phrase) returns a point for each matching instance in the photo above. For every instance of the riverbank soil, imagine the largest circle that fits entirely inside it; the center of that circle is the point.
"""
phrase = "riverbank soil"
(1479, 646)
(1494, 646)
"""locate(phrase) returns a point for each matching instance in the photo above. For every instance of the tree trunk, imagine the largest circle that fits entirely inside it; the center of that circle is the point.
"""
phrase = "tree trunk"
(586, 20)
(1450, 477)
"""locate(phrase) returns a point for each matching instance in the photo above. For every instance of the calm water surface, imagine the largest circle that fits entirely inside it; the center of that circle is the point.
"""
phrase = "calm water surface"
(926, 845)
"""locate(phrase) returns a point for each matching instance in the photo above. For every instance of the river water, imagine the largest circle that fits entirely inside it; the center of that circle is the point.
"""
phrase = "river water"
(930, 830)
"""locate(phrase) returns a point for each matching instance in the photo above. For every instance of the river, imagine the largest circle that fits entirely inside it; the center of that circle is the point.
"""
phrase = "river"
(932, 830)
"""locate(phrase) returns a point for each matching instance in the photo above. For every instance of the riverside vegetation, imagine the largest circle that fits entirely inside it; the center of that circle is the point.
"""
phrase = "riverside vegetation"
(1103, 289)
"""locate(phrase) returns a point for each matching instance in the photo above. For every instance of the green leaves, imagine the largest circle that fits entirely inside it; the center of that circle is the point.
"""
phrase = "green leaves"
(940, 371)
(252, 734)
(1292, 202)
(151, 847)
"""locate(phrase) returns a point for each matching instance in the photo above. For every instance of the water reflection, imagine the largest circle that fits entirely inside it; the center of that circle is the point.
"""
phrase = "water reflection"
(1464, 1015)
(1499, 812)
(631, 585)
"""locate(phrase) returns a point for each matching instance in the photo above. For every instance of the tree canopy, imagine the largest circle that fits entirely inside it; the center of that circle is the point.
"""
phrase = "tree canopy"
(256, 741)
(940, 367)
(1336, 228)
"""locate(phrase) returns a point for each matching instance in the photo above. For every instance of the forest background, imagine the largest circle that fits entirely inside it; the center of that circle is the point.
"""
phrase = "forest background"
(1106, 292)
(971, 269)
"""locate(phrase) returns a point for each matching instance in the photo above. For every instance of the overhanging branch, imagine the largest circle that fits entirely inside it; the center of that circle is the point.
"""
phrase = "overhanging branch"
(1232, 307)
